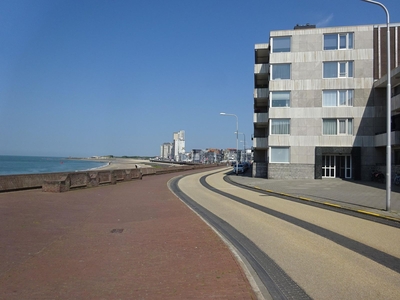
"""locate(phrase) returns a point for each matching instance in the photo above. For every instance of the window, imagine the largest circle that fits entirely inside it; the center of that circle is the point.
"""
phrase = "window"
(337, 126)
(281, 44)
(337, 98)
(280, 99)
(281, 71)
(280, 126)
(279, 155)
(338, 69)
(338, 41)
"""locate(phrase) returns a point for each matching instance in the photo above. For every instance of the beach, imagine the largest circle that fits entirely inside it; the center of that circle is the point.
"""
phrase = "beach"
(122, 163)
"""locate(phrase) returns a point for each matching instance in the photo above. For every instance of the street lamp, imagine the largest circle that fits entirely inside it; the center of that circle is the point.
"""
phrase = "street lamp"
(244, 146)
(237, 138)
(389, 108)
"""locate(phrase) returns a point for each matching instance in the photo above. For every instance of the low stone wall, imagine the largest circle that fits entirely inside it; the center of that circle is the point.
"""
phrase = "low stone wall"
(89, 179)
(290, 171)
(62, 182)
(28, 181)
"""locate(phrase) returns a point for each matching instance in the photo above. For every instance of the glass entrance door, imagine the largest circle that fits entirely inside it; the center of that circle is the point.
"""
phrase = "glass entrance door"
(336, 166)
(328, 166)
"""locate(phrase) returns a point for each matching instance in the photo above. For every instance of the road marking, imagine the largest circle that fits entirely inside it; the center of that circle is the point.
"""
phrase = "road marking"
(307, 199)
(331, 204)
(368, 213)
(284, 194)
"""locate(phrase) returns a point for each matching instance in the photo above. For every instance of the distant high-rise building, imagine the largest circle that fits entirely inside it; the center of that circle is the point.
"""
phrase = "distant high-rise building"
(178, 148)
(166, 151)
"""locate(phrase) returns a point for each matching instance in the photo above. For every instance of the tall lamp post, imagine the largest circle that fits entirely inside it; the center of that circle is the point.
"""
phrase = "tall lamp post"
(389, 108)
(237, 138)
(244, 146)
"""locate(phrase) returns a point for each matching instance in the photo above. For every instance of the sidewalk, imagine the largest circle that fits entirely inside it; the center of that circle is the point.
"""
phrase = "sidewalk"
(363, 196)
(132, 240)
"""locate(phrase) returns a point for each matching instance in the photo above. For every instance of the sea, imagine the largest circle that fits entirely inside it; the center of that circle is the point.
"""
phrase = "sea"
(15, 165)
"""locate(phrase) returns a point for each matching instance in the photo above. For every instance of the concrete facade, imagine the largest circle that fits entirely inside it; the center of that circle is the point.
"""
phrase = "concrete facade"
(340, 112)
(165, 152)
(178, 148)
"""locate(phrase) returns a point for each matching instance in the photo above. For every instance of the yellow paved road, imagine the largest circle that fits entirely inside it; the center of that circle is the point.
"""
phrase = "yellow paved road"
(324, 269)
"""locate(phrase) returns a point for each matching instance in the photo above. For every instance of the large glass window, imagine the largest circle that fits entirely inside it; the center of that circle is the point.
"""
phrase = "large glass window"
(337, 69)
(337, 126)
(330, 69)
(337, 98)
(337, 41)
(281, 44)
(279, 155)
(280, 126)
(281, 71)
(329, 127)
(349, 126)
(280, 99)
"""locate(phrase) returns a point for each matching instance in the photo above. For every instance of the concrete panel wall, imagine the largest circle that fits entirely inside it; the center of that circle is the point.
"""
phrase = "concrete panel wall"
(58, 182)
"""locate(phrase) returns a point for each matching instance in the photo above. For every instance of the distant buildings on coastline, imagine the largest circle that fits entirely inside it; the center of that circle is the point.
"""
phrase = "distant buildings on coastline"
(175, 151)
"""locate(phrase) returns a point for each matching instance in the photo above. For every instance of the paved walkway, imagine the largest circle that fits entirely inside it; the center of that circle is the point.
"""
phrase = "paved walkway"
(136, 240)
(133, 240)
(364, 196)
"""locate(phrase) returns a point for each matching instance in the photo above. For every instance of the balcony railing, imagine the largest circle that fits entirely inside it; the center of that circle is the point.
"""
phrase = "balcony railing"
(261, 68)
(260, 142)
(261, 93)
(396, 103)
(381, 139)
(260, 118)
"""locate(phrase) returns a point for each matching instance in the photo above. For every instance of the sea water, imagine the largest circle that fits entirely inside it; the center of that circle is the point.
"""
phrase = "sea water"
(13, 165)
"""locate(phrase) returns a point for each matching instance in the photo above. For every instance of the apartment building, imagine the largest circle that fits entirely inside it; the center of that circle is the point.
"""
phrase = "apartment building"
(165, 152)
(178, 146)
(320, 102)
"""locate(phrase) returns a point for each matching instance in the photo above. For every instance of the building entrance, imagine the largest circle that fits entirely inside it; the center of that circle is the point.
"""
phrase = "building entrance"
(336, 166)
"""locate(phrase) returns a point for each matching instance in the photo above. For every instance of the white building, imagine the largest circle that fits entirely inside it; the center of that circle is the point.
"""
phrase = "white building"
(320, 102)
(179, 146)
(165, 153)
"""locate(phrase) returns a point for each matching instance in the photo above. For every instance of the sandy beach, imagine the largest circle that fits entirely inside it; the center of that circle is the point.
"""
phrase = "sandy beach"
(122, 163)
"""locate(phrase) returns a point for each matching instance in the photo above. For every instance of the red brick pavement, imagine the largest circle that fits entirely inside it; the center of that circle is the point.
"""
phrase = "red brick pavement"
(60, 246)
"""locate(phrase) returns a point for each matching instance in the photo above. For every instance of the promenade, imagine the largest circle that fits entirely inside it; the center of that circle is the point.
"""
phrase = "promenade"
(363, 196)
(136, 240)
(132, 240)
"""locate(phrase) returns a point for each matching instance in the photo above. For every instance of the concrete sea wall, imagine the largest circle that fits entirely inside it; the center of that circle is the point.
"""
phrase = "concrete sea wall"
(63, 182)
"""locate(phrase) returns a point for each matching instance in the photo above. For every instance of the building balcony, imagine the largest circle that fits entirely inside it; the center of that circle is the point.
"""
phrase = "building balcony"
(395, 103)
(260, 143)
(261, 68)
(261, 118)
(381, 139)
(261, 93)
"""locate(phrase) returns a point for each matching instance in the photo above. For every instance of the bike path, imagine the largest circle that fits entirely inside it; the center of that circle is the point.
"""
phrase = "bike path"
(362, 196)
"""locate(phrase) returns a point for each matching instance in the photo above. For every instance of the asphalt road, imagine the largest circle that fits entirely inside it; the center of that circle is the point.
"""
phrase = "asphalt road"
(329, 255)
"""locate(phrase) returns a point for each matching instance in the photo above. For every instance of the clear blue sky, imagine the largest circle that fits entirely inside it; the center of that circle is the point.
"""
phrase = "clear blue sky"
(83, 78)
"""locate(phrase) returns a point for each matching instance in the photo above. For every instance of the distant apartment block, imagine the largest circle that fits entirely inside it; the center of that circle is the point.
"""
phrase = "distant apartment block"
(178, 146)
(165, 153)
(320, 102)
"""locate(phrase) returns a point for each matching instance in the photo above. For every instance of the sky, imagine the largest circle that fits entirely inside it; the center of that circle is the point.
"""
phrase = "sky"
(118, 77)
